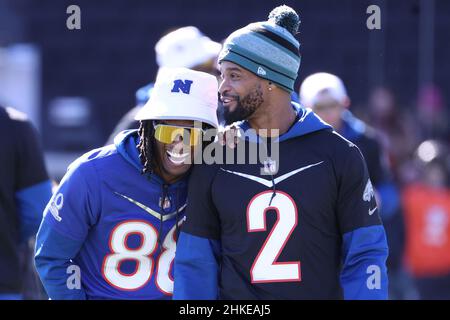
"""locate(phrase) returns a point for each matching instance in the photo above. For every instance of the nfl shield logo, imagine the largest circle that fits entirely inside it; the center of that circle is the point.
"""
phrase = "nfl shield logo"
(164, 204)
(270, 166)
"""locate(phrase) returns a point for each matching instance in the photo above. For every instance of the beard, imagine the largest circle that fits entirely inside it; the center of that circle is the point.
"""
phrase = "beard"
(245, 107)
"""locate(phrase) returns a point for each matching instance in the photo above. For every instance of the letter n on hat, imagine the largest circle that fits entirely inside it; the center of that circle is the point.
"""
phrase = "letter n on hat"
(184, 86)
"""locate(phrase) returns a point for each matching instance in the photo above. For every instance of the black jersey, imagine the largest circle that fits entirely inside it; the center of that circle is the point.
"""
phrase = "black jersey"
(310, 231)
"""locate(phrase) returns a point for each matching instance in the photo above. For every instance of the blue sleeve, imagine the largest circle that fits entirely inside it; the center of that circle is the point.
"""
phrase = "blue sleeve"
(52, 259)
(74, 206)
(31, 202)
(196, 268)
(364, 244)
(69, 215)
(364, 273)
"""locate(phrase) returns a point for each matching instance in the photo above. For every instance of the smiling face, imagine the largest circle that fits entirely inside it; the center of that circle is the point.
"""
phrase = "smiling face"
(241, 92)
(171, 159)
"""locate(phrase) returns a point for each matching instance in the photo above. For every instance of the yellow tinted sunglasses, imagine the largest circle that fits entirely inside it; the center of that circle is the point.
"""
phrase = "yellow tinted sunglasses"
(169, 133)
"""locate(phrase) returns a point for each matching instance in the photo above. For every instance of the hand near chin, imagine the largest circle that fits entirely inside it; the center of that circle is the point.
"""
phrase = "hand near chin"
(229, 136)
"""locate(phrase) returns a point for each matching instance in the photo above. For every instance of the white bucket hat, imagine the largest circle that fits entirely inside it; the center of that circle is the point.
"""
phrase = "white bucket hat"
(185, 47)
(314, 84)
(182, 94)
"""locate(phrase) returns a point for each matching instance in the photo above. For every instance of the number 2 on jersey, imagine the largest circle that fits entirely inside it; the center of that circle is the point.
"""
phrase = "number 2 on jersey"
(265, 267)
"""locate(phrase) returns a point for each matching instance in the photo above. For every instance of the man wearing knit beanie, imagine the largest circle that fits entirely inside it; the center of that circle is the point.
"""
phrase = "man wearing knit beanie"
(300, 225)
(270, 52)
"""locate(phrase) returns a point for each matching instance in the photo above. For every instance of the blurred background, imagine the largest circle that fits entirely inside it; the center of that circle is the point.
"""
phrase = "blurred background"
(75, 85)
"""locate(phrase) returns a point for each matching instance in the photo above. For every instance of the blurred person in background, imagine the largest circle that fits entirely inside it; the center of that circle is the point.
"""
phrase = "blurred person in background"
(116, 213)
(185, 47)
(25, 189)
(432, 116)
(327, 96)
(426, 203)
(396, 131)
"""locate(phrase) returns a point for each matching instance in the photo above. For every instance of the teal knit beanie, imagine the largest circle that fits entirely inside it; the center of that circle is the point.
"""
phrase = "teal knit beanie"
(267, 49)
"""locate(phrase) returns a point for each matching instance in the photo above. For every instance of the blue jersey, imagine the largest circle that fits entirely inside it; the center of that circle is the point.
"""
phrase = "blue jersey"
(118, 228)
(311, 230)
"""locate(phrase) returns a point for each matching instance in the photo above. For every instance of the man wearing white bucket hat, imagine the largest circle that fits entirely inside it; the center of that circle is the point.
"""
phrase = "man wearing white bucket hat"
(110, 230)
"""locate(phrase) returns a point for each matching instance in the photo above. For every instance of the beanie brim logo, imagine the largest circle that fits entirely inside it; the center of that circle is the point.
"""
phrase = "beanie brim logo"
(261, 71)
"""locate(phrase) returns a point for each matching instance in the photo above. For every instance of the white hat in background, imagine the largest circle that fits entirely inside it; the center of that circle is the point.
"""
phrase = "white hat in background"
(182, 94)
(185, 47)
(316, 83)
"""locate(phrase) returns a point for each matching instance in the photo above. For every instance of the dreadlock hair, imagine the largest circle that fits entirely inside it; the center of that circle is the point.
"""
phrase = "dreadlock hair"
(145, 146)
